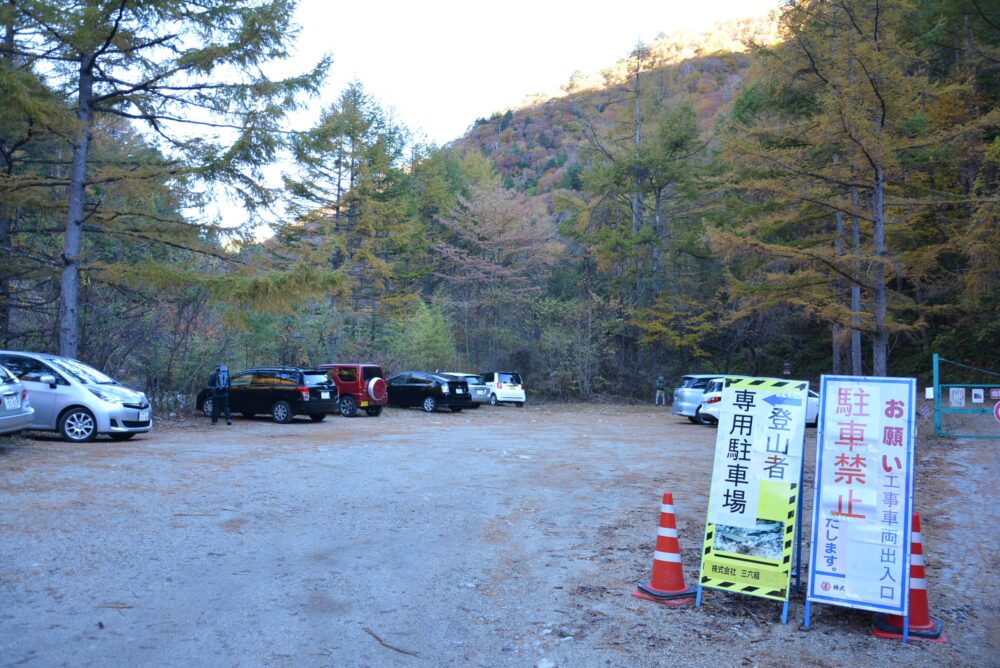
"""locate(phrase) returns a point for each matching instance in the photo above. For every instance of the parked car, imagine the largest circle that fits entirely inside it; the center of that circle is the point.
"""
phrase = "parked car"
(708, 412)
(283, 392)
(360, 385)
(687, 396)
(77, 400)
(478, 390)
(505, 387)
(16, 412)
(430, 391)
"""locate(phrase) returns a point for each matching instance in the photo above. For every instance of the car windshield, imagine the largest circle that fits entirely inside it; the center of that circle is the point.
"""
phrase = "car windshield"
(510, 378)
(6, 377)
(475, 380)
(692, 381)
(370, 372)
(315, 378)
(82, 373)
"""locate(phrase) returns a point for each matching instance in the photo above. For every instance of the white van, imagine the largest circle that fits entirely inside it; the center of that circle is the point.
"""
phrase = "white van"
(505, 387)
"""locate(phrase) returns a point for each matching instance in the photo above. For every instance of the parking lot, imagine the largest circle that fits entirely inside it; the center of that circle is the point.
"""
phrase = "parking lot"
(500, 536)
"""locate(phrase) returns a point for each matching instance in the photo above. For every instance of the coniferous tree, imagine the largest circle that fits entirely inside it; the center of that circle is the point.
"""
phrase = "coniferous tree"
(190, 73)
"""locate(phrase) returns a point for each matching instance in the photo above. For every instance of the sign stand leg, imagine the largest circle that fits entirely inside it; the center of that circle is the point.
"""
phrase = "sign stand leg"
(798, 531)
(906, 630)
(784, 613)
(805, 622)
(697, 600)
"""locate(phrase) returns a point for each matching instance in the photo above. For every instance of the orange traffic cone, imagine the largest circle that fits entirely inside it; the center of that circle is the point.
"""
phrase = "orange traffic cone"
(667, 583)
(922, 625)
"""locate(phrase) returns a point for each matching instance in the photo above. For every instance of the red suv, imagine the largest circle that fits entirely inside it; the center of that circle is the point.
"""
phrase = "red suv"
(360, 386)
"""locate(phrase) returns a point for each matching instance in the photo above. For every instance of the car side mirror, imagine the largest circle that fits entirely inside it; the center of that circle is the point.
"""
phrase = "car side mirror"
(49, 379)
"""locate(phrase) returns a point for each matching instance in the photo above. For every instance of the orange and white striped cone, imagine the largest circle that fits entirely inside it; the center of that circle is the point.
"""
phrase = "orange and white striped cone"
(922, 625)
(667, 583)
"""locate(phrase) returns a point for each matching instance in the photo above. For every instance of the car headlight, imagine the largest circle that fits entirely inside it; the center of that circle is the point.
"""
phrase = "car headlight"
(104, 396)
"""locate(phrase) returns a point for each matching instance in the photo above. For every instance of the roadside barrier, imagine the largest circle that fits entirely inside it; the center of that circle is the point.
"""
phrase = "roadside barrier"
(922, 625)
(667, 582)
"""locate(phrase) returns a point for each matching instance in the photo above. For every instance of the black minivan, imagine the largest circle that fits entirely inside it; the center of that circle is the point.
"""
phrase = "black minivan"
(282, 392)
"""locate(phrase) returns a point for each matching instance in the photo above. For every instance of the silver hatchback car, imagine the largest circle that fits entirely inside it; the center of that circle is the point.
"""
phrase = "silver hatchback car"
(478, 390)
(16, 412)
(687, 396)
(77, 400)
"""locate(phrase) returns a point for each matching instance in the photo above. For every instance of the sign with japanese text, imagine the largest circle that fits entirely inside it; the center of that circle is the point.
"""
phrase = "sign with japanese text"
(860, 549)
(956, 397)
(755, 486)
(977, 395)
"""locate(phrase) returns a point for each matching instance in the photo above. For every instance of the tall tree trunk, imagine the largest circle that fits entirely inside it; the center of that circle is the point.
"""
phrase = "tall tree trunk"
(6, 222)
(657, 249)
(6, 213)
(69, 291)
(837, 331)
(636, 175)
(880, 342)
(857, 365)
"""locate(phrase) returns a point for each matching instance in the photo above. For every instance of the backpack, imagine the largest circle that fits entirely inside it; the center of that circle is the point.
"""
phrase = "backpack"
(223, 381)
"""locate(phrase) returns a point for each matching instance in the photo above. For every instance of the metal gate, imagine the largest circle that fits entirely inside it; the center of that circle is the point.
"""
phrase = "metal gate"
(967, 398)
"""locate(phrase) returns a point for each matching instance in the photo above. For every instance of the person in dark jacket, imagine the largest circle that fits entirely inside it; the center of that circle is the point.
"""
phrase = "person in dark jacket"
(219, 383)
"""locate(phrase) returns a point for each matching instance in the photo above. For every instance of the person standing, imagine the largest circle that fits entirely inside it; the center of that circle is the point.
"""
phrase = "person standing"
(661, 391)
(219, 383)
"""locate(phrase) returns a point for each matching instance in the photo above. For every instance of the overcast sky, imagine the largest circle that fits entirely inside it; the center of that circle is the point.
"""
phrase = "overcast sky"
(441, 64)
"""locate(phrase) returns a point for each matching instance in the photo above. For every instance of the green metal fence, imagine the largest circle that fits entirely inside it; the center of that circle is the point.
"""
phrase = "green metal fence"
(990, 404)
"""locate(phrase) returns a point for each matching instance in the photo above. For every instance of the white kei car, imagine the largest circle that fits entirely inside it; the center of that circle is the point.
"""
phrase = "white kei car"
(505, 387)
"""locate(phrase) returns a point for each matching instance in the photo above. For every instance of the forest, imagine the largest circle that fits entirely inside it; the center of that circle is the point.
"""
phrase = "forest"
(823, 193)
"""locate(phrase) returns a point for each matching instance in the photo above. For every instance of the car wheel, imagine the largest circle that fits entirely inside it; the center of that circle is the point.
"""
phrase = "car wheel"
(121, 437)
(78, 425)
(692, 420)
(430, 403)
(374, 411)
(493, 400)
(348, 406)
(206, 407)
(281, 411)
(701, 419)
(317, 417)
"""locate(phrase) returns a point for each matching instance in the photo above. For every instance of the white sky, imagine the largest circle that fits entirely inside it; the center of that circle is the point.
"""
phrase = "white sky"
(438, 65)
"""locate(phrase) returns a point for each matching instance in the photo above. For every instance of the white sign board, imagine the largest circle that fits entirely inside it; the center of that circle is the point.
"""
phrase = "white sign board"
(956, 397)
(760, 436)
(978, 395)
(860, 556)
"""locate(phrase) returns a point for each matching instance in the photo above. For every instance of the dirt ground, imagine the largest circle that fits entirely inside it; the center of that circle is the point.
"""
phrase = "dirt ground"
(495, 537)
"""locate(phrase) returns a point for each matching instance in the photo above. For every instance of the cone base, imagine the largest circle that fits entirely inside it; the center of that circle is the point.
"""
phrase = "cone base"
(883, 628)
(675, 598)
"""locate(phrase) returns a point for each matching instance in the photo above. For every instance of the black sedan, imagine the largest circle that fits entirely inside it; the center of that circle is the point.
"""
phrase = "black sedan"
(429, 391)
(283, 392)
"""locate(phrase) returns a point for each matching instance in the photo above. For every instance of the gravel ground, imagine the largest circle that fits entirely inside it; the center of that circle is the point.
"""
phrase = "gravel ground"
(496, 537)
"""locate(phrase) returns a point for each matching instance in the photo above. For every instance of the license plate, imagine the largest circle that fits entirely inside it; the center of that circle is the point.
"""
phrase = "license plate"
(324, 395)
(12, 401)
(143, 416)
(364, 403)
(458, 390)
